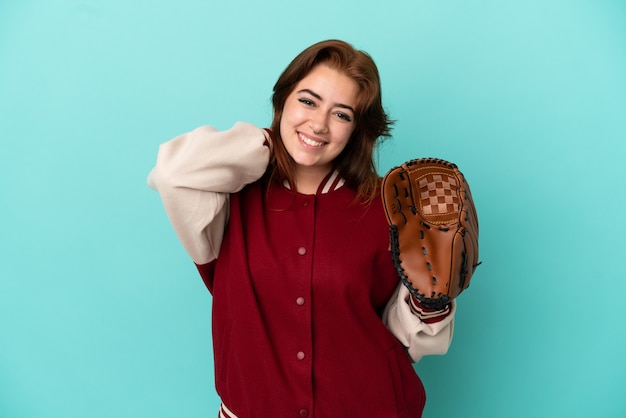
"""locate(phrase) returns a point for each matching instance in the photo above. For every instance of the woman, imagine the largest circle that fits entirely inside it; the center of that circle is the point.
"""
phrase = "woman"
(286, 228)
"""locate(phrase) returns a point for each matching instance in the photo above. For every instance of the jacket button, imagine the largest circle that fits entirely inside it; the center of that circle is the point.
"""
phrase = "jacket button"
(304, 413)
(305, 203)
(300, 355)
(301, 250)
(300, 301)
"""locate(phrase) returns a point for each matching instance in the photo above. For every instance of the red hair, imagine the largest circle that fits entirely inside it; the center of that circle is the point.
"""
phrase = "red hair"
(356, 162)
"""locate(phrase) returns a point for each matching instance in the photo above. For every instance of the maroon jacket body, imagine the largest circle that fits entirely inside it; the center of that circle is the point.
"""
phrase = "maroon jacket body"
(298, 289)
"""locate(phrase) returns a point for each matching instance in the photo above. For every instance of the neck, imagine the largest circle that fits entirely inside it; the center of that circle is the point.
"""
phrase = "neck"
(308, 179)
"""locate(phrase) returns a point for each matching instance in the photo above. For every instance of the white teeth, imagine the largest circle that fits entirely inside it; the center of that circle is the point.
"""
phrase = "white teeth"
(310, 142)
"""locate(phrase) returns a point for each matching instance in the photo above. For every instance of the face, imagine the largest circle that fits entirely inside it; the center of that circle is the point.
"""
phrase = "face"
(318, 119)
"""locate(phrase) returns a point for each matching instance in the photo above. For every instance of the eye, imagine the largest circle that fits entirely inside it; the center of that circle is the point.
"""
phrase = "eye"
(306, 101)
(344, 116)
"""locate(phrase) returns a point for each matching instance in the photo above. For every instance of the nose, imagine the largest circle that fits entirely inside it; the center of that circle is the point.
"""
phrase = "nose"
(319, 123)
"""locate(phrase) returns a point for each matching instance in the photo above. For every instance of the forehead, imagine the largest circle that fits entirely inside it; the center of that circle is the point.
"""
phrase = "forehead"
(330, 84)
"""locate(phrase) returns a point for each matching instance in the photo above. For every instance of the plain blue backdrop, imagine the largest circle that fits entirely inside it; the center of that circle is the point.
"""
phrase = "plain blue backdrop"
(103, 315)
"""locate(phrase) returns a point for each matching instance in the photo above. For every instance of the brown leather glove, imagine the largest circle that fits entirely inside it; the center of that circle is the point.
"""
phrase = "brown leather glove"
(433, 229)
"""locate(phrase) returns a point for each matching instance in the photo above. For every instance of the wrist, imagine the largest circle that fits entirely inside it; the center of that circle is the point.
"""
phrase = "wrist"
(428, 315)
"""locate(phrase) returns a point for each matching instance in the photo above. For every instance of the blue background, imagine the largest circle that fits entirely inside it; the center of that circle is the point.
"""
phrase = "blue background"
(103, 315)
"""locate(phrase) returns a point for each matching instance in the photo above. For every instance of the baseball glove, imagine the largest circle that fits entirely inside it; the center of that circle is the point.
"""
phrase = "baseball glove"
(433, 229)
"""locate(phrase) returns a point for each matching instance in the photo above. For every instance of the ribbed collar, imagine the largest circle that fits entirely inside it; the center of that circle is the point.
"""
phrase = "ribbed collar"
(333, 181)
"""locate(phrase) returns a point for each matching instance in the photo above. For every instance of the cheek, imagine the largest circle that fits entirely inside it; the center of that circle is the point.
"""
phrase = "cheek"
(344, 133)
(292, 114)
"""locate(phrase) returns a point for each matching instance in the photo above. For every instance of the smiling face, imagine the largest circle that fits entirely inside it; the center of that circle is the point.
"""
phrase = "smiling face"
(317, 121)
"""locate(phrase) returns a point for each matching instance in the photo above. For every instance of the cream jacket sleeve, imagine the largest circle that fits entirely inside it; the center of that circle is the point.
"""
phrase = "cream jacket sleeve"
(195, 173)
(420, 338)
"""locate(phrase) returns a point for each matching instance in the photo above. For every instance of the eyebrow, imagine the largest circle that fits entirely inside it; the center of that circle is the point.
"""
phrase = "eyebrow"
(318, 97)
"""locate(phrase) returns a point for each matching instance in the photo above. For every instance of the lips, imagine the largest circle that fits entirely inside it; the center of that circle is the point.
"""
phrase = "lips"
(310, 141)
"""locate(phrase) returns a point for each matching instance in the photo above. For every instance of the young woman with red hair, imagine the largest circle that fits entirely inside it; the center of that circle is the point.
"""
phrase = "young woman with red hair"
(286, 228)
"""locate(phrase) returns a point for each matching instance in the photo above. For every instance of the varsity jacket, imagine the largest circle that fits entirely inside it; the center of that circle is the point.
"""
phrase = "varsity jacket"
(309, 318)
